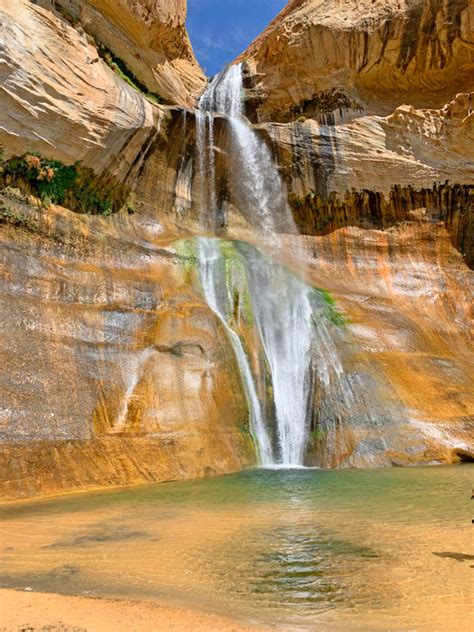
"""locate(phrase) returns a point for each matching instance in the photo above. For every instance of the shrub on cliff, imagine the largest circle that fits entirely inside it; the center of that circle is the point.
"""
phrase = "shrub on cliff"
(53, 182)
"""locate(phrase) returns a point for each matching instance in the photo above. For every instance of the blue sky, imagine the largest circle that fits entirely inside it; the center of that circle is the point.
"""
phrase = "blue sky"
(221, 29)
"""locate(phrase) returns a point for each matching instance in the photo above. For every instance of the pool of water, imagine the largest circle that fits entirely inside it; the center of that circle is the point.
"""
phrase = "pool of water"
(387, 549)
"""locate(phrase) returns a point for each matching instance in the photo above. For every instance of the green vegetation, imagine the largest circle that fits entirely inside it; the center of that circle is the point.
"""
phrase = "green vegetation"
(186, 250)
(53, 182)
(71, 18)
(237, 284)
(318, 434)
(7, 214)
(331, 312)
(115, 63)
(243, 426)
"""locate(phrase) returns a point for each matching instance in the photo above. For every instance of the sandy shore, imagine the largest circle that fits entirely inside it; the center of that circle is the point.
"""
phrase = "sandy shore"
(32, 612)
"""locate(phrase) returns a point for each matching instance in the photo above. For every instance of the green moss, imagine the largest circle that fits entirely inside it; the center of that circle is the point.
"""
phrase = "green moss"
(237, 284)
(121, 69)
(318, 434)
(57, 183)
(154, 98)
(115, 63)
(244, 427)
(331, 312)
(187, 251)
(6, 214)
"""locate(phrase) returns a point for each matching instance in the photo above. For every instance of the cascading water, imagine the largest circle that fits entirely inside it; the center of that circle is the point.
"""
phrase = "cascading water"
(261, 195)
(211, 274)
(281, 303)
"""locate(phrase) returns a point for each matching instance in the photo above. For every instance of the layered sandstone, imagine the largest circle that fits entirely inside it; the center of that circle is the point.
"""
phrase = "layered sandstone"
(150, 37)
(59, 98)
(97, 319)
(375, 172)
(321, 55)
(116, 371)
(368, 107)
(406, 293)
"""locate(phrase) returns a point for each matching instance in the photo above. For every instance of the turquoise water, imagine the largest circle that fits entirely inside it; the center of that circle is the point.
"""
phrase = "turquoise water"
(298, 549)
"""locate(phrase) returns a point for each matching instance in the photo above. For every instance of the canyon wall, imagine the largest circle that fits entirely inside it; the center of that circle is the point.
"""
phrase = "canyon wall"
(321, 55)
(149, 37)
(117, 371)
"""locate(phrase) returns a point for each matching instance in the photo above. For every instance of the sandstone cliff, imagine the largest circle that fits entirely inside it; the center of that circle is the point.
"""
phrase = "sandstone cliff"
(321, 55)
(60, 99)
(375, 172)
(377, 100)
(149, 37)
(117, 370)
(367, 107)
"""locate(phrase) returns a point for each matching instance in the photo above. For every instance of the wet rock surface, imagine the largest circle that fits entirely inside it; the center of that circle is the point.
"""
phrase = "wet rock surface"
(117, 371)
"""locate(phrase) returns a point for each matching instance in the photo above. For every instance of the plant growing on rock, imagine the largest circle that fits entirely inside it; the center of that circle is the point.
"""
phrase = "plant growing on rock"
(57, 183)
(330, 309)
(123, 71)
(6, 214)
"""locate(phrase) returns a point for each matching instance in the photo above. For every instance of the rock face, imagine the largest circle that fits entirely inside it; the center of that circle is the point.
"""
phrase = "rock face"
(118, 372)
(379, 171)
(60, 99)
(378, 104)
(98, 319)
(321, 55)
(367, 107)
(406, 292)
(150, 38)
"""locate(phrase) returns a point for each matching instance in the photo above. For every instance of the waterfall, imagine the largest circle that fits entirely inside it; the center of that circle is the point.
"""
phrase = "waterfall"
(210, 261)
(283, 314)
(261, 194)
(281, 303)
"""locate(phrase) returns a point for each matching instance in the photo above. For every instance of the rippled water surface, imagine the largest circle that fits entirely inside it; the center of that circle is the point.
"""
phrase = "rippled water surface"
(383, 549)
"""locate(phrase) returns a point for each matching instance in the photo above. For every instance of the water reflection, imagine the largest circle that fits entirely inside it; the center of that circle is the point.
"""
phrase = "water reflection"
(290, 548)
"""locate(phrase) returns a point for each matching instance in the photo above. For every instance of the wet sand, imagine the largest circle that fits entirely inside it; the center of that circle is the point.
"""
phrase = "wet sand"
(32, 611)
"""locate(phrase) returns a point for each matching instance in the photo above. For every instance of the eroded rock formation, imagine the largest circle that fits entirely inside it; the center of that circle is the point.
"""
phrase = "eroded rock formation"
(367, 107)
(116, 372)
(149, 37)
(60, 99)
(321, 55)
(375, 172)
